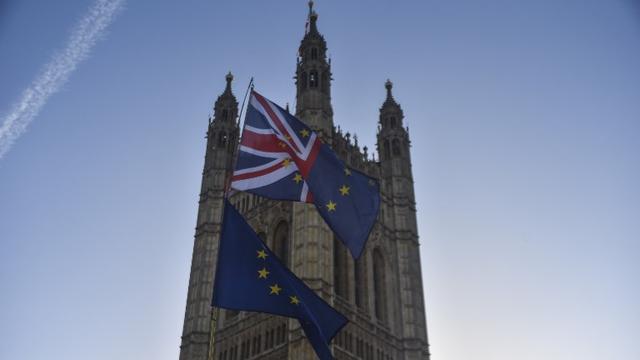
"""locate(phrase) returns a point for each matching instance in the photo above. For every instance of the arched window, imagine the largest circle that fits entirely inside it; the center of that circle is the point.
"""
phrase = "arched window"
(314, 53)
(396, 147)
(340, 269)
(303, 80)
(281, 242)
(222, 139)
(324, 83)
(313, 79)
(225, 114)
(379, 285)
(232, 143)
(212, 136)
(392, 121)
(387, 149)
(359, 274)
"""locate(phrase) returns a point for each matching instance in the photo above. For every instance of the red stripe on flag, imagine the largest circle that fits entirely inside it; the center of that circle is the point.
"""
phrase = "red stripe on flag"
(305, 166)
(263, 142)
(275, 119)
(258, 173)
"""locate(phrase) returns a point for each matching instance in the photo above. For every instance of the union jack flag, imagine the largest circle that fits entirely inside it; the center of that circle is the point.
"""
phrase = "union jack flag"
(281, 158)
(273, 144)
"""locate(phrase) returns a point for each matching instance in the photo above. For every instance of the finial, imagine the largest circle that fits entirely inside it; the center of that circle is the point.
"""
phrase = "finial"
(388, 85)
(287, 108)
(313, 17)
(229, 78)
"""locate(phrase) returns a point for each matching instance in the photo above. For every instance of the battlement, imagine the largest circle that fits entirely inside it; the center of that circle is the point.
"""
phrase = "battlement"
(348, 150)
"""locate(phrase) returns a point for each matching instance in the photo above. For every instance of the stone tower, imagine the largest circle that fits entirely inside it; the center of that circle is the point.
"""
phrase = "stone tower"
(381, 293)
(313, 80)
(400, 226)
(222, 136)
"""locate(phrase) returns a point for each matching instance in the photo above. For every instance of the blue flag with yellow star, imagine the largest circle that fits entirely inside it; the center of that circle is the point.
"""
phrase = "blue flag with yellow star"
(281, 158)
(250, 277)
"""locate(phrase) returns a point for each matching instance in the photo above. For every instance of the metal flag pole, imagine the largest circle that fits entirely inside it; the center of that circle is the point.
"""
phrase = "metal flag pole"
(244, 100)
(228, 191)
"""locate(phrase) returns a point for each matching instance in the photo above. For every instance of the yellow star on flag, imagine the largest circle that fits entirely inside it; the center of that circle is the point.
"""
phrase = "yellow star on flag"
(344, 190)
(294, 300)
(304, 132)
(262, 274)
(282, 144)
(262, 254)
(288, 137)
(347, 171)
(331, 206)
(297, 178)
(275, 289)
(286, 162)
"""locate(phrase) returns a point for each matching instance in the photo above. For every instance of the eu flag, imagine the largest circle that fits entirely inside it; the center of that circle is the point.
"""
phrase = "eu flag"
(281, 158)
(249, 277)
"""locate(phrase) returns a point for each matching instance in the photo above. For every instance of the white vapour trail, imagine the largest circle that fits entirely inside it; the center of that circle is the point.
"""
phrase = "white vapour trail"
(57, 71)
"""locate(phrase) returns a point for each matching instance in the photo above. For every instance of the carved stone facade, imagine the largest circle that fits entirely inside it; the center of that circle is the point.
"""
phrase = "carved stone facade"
(381, 293)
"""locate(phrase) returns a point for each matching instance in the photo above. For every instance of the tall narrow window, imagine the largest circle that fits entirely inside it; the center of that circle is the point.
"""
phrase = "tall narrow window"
(379, 285)
(313, 79)
(339, 269)
(281, 242)
(232, 143)
(324, 83)
(314, 53)
(387, 149)
(396, 147)
(392, 121)
(359, 272)
(225, 114)
(222, 139)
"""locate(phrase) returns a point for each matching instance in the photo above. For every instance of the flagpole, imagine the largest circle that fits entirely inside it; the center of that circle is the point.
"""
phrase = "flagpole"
(244, 100)
(227, 188)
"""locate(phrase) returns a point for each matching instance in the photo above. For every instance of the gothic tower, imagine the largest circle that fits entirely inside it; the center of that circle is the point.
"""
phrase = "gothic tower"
(313, 80)
(312, 239)
(399, 217)
(381, 293)
(222, 136)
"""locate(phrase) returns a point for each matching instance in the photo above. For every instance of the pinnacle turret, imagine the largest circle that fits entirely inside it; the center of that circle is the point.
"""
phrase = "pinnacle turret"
(226, 106)
(390, 113)
(313, 79)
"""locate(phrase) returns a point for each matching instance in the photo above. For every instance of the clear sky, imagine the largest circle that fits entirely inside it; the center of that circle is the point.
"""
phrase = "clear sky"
(525, 123)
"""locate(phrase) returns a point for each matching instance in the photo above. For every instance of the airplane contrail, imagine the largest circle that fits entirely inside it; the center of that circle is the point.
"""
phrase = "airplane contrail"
(55, 73)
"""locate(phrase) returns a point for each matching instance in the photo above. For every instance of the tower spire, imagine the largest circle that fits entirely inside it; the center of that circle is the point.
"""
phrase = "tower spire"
(222, 135)
(229, 79)
(389, 101)
(313, 79)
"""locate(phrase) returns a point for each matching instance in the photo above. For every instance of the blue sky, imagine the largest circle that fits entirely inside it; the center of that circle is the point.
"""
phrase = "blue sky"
(524, 118)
